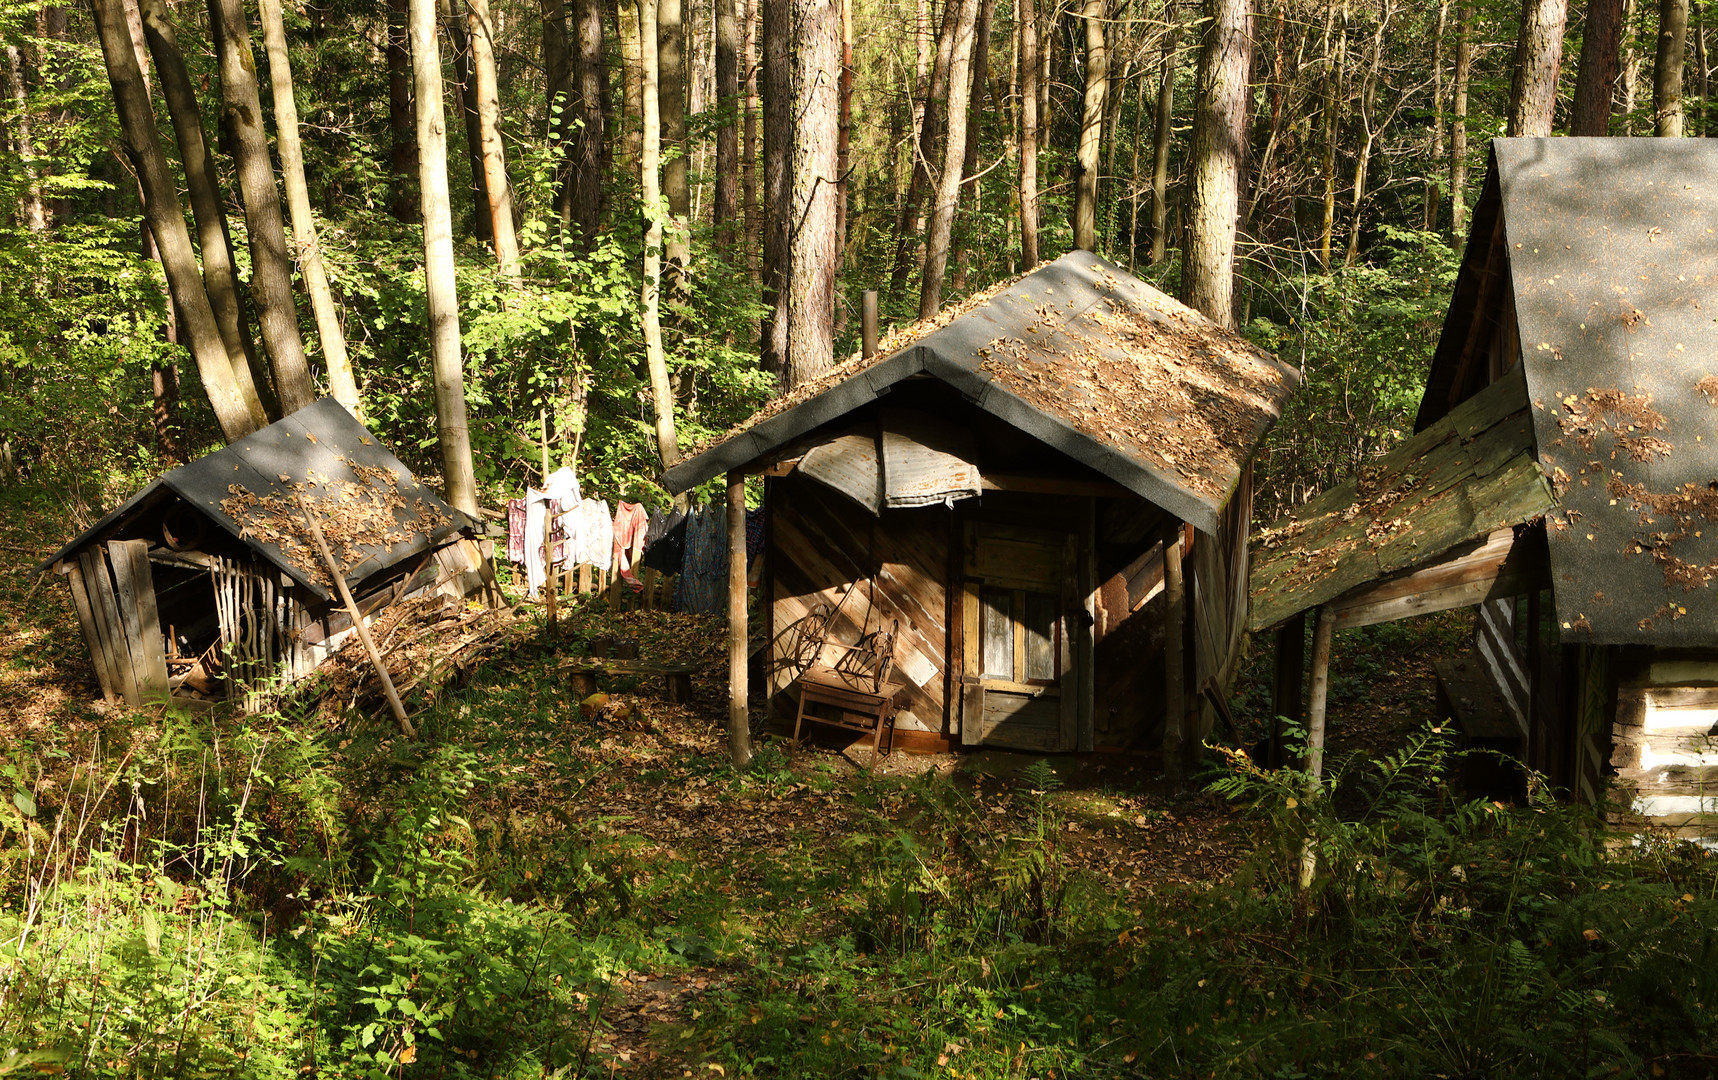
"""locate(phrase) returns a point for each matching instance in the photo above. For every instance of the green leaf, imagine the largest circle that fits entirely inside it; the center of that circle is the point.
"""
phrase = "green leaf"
(151, 932)
(26, 805)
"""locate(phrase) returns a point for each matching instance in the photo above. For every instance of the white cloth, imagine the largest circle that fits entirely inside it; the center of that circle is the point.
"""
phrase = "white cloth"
(563, 488)
(596, 534)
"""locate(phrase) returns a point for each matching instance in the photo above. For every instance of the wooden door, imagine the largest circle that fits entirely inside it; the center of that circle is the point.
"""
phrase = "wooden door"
(1018, 682)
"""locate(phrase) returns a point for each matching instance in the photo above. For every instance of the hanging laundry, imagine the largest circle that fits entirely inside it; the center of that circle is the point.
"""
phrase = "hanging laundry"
(562, 489)
(665, 542)
(596, 534)
(630, 524)
(515, 530)
(754, 533)
(704, 571)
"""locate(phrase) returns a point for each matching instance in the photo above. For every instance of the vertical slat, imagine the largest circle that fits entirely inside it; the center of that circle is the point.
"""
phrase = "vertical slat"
(113, 627)
(1174, 665)
(972, 696)
(136, 596)
(739, 719)
(92, 635)
(1083, 735)
(1017, 631)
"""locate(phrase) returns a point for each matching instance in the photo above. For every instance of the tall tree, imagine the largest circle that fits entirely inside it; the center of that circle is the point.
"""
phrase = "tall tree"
(459, 475)
(1458, 116)
(777, 196)
(220, 280)
(582, 190)
(726, 199)
(930, 128)
(1165, 131)
(271, 266)
(1336, 61)
(1538, 55)
(1219, 129)
(676, 177)
(814, 251)
(650, 173)
(402, 128)
(33, 209)
(465, 88)
(1595, 83)
(1667, 68)
(1028, 19)
(166, 219)
(481, 33)
(1370, 126)
(954, 156)
(342, 384)
(558, 99)
(1091, 128)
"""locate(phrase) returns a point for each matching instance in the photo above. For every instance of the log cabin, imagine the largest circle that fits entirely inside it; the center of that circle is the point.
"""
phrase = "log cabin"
(208, 580)
(1045, 491)
(1563, 481)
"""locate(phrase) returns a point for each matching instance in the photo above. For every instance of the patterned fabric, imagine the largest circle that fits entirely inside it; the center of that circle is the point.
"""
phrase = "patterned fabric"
(596, 535)
(515, 530)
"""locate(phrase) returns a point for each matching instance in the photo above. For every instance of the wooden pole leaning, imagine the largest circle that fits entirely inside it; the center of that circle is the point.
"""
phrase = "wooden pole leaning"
(739, 719)
(358, 626)
(549, 583)
(1318, 699)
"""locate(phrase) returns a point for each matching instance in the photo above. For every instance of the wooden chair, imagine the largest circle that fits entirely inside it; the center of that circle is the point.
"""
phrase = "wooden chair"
(857, 685)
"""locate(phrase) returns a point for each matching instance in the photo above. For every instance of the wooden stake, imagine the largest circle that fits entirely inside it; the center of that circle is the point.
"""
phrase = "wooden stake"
(358, 626)
(1319, 697)
(548, 531)
(1175, 668)
(739, 720)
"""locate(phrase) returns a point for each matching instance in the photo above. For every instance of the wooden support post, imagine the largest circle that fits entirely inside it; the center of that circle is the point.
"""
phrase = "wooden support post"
(93, 560)
(1319, 696)
(93, 637)
(549, 575)
(1285, 690)
(135, 592)
(358, 626)
(1174, 661)
(739, 719)
(868, 324)
(649, 578)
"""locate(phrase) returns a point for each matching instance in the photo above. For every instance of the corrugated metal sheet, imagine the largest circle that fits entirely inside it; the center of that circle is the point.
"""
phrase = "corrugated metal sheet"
(1082, 356)
(1612, 249)
(344, 472)
(848, 464)
(926, 460)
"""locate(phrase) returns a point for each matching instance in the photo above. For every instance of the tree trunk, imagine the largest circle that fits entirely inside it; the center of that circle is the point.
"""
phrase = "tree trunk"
(271, 267)
(752, 212)
(954, 155)
(726, 202)
(1091, 129)
(220, 280)
(342, 383)
(814, 257)
(844, 136)
(585, 169)
(1595, 83)
(1219, 127)
(1699, 68)
(1336, 62)
(777, 199)
(1458, 117)
(1133, 173)
(1667, 69)
(1028, 18)
(1429, 205)
(198, 330)
(481, 34)
(459, 476)
(1538, 54)
(558, 100)
(402, 128)
(1629, 78)
(1363, 160)
(676, 183)
(32, 211)
(930, 127)
(465, 87)
(650, 173)
(1160, 143)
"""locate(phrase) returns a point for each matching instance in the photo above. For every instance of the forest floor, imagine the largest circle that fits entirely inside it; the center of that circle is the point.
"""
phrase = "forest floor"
(563, 894)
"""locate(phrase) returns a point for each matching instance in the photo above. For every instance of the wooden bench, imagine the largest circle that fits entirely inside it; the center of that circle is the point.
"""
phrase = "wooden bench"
(857, 685)
(676, 678)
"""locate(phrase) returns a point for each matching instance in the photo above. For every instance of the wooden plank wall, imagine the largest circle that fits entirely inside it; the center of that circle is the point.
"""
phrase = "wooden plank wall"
(1504, 661)
(1664, 744)
(1218, 587)
(1128, 640)
(897, 565)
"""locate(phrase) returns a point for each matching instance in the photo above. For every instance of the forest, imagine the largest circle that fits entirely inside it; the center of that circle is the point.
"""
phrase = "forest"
(512, 238)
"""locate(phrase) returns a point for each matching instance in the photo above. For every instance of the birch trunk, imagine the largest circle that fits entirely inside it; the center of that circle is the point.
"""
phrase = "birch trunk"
(954, 154)
(342, 383)
(166, 220)
(650, 172)
(1219, 129)
(459, 477)
(1091, 128)
(271, 267)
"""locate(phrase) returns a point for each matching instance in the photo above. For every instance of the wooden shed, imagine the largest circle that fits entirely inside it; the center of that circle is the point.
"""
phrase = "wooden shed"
(1020, 484)
(1580, 342)
(208, 580)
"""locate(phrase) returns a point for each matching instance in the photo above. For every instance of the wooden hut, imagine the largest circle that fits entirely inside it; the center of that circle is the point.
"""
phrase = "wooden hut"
(208, 578)
(1563, 479)
(1018, 485)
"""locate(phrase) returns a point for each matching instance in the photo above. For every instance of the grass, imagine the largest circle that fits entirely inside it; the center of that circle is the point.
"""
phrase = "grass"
(528, 893)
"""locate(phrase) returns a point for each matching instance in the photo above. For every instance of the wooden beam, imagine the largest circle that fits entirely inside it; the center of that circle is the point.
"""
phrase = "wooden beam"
(1175, 668)
(1499, 565)
(92, 636)
(1322, 632)
(1481, 311)
(93, 561)
(739, 719)
(136, 594)
(1053, 485)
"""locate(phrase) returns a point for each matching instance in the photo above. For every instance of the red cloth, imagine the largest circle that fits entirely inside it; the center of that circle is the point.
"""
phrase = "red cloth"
(631, 522)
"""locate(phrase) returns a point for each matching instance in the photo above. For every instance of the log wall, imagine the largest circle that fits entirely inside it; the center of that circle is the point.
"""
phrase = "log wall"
(1664, 743)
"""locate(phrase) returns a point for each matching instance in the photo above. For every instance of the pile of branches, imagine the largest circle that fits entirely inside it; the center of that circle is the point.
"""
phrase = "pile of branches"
(427, 643)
